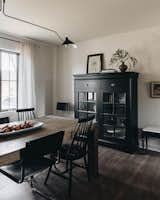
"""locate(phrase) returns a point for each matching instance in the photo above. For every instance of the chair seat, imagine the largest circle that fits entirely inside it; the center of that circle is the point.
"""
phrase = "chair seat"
(76, 152)
(13, 171)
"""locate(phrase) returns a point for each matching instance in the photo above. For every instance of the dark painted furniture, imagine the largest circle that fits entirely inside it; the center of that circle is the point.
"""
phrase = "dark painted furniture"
(112, 98)
(33, 160)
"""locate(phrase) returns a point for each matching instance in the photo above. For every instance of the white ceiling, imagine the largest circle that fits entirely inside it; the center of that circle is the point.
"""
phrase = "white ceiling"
(80, 19)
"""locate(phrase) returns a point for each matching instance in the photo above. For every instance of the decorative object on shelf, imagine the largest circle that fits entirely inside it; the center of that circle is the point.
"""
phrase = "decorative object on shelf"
(123, 67)
(109, 70)
(66, 43)
(120, 58)
(94, 63)
(155, 89)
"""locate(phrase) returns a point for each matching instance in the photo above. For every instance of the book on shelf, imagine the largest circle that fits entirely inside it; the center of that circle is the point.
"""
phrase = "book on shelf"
(109, 70)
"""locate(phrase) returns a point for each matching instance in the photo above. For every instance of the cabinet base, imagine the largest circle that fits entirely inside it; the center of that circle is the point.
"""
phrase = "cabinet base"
(118, 146)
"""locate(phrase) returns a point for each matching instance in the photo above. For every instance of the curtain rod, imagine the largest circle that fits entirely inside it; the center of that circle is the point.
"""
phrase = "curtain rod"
(22, 39)
(12, 40)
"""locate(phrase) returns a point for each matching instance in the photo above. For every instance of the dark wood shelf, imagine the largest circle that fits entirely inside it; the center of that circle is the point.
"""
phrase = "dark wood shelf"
(86, 111)
(120, 104)
(114, 115)
(115, 126)
(87, 101)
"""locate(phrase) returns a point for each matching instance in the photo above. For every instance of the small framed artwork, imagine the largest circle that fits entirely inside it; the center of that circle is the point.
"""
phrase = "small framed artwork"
(94, 63)
(155, 89)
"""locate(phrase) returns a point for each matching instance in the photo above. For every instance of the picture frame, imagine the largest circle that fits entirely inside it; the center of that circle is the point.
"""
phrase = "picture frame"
(94, 63)
(155, 89)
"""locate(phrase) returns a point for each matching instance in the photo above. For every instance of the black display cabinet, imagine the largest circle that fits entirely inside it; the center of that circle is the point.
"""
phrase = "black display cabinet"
(112, 98)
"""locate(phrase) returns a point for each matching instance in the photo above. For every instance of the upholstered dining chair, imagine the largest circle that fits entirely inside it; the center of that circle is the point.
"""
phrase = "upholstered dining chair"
(26, 114)
(34, 160)
(76, 150)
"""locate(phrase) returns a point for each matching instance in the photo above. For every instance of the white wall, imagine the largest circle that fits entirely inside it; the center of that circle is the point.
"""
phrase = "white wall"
(44, 79)
(142, 44)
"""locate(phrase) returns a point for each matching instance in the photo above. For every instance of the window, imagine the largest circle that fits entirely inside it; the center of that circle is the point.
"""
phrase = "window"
(8, 80)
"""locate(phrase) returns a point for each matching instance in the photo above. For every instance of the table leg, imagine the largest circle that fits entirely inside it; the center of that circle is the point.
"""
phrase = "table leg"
(142, 134)
(146, 142)
(93, 152)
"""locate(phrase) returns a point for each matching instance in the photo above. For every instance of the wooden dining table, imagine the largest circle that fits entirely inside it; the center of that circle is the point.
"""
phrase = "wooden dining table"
(11, 146)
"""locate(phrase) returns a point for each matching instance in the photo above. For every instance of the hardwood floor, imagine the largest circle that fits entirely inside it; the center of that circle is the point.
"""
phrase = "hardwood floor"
(122, 176)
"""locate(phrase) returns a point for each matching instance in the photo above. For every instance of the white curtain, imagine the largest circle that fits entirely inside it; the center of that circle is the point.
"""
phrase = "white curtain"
(26, 76)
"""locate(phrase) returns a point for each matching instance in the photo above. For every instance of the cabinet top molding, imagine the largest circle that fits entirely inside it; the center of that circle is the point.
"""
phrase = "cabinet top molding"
(107, 75)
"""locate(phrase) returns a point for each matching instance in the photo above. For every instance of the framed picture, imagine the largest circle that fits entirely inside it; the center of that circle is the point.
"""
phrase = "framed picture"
(155, 89)
(94, 63)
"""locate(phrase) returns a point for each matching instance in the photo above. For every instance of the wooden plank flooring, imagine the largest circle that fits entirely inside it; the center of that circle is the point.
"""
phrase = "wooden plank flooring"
(122, 176)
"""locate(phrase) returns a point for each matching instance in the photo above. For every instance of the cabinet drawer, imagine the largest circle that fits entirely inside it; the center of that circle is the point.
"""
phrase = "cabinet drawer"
(115, 84)
(86, 85)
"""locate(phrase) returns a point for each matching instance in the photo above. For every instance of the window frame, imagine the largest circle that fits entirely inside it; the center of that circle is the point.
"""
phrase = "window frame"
(17, 56)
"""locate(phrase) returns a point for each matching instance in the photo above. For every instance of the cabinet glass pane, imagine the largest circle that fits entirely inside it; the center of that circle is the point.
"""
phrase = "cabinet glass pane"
(91, 107)
(82, 96)
(121, 122)
(91, 96)
(83, 106)
(108, 98)
(109, 120)
(82, 115)
(120, 98)
(114, 132)
(114, 115)
(120, 103)
(108, 101)
(87, 103)
(108, 108)
(120, 109)
(114, 126)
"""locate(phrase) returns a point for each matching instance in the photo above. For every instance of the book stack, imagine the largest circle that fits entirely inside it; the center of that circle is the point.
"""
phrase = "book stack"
(108, 71)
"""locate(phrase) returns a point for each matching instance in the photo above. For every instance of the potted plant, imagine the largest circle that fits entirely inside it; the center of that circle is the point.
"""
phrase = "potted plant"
(120, 58)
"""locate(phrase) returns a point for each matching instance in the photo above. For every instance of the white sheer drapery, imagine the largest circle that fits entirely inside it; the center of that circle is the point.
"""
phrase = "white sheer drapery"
(26, 76)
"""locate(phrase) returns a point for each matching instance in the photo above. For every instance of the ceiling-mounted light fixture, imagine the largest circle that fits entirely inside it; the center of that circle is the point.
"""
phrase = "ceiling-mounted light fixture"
(65, 43)
(69, 43)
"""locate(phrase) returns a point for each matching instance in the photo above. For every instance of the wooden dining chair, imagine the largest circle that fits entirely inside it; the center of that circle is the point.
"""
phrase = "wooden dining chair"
(34, 160)
(76, 150)
(26, 114)
(4, 120)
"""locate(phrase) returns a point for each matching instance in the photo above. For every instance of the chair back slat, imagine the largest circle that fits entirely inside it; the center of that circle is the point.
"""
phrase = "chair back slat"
(43, 146)
(81, 132)
(4, 120)
(26, 114)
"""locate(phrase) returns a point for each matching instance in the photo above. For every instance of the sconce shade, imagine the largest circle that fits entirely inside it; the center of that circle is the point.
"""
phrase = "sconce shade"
(69, 43)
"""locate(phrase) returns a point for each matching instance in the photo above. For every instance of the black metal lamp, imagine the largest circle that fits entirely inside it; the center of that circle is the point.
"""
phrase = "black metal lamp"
(66, 43)
(69, 43)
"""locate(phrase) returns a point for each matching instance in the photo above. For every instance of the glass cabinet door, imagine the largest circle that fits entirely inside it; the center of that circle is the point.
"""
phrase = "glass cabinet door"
(114, 115)
(87, 104)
